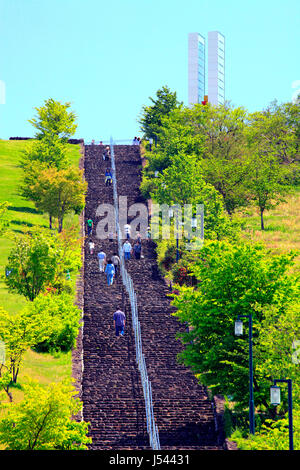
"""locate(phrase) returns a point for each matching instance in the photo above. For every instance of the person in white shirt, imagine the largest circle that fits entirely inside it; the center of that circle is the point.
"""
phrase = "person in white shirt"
(92, 247)
(127, 249)
(127, 230)
(102, 259)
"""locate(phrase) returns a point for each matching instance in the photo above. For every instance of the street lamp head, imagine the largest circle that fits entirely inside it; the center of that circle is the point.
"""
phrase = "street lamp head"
(275, 395)
(238, 328)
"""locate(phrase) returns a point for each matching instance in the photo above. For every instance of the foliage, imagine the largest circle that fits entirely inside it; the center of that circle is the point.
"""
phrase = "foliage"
(276, 348)
(215, 136)
(20, 332)
(232, 280)
(43, 420)
(182, 273)
(275, 131)
(31, 264)
(58, 192)
(274, 435)
(267, 183)
(224, 161)
(39, 260)
(183, 183)
(151, 116)
(54, 120)
(61, 315)
(49, 151)
(166, 253)
(246, 157)
(68, 247)
(273, 148)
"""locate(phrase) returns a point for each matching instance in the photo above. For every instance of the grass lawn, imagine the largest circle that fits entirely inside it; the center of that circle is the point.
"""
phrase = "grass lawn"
(21, 215)
(282, 226)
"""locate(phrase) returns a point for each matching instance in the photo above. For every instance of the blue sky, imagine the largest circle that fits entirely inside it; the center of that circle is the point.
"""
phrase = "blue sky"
(108, 57)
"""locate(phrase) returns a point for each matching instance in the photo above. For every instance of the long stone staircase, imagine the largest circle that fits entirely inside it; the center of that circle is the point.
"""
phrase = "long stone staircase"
(111, 391)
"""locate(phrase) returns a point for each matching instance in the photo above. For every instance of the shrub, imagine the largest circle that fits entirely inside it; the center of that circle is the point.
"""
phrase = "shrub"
(64, 321)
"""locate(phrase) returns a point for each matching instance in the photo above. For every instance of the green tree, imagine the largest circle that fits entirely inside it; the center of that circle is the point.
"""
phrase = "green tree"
(225, 159)
(20, 332)
(266, 183)
(40, 260)
(278, 341)
(232, 280)
(273, 148)
(31, 264)
(62, 317)
(49, 151)
(68, 248)
(183, 183)
(56, 192)
(151, 117)
(54, 120)
(43, 420)
(215, 135)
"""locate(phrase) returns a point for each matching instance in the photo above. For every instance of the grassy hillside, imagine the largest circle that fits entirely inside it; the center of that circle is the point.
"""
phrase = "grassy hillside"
(282, 226)
(21, 215)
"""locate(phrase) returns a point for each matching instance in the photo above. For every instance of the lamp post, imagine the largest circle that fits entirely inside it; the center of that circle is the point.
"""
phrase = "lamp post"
(194, 222)
(238, 329)
(275, 400)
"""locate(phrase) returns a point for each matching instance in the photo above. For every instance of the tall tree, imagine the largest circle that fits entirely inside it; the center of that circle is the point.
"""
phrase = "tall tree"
(59, 192)
(271, 146)
(48, 151)
(233, 280)
(183, 183)
(216, 136)
(31, 264)
(266, 183)
(151, 117)
(54, 120)
(20, 332)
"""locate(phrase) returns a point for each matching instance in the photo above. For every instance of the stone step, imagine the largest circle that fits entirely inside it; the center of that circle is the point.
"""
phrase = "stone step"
(112, 392)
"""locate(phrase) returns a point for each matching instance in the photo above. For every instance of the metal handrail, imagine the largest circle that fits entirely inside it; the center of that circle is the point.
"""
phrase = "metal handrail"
(107, 142)
(152, 429)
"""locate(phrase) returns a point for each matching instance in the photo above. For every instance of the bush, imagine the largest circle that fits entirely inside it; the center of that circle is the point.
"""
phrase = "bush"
(181, 274)
(43, 420)
(274, 435)
(64, 317)
(166, 254)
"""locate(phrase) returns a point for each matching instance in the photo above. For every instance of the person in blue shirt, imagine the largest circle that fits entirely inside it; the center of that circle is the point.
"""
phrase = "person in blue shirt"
(119, 322)
(127, 249)
(108, 178)
(110, 272)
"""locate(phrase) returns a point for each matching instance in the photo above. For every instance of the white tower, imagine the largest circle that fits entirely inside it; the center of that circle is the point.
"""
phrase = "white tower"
(196, 68)
(216, 68)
